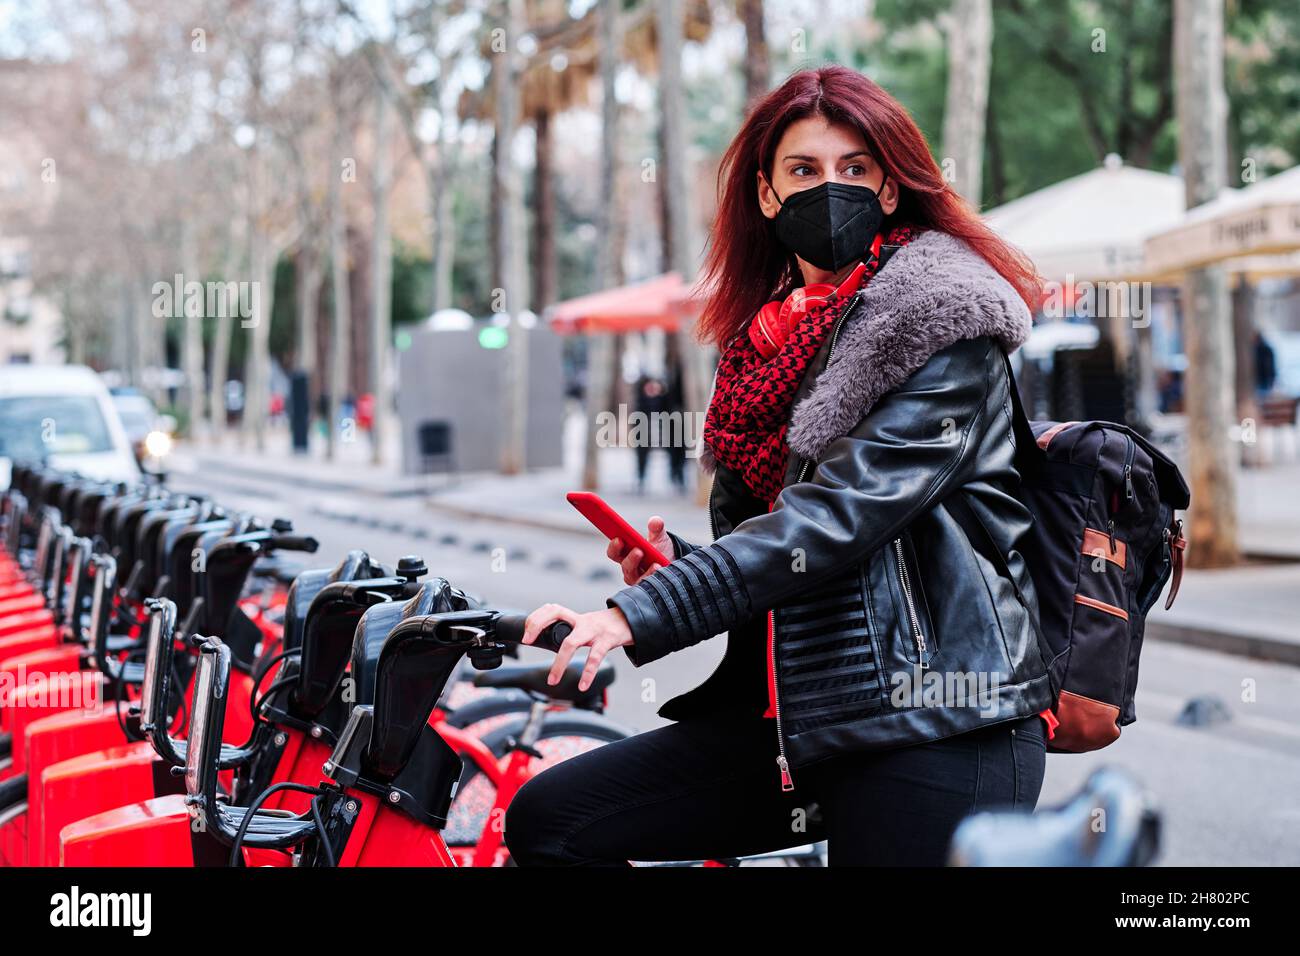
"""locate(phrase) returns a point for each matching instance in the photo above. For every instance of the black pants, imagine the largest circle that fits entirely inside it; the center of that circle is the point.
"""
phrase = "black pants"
(676, 464)
(709, 788)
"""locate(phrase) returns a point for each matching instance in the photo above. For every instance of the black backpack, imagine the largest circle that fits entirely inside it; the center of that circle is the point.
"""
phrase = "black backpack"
(1106, 539)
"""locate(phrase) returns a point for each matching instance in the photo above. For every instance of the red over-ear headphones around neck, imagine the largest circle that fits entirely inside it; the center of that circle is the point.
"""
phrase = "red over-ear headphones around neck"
(771, 327)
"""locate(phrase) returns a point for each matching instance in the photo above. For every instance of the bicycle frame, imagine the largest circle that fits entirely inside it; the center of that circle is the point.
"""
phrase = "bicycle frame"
(506, 775)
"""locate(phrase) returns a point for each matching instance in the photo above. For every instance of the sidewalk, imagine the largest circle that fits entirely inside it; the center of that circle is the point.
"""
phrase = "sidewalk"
(1268, 512)
(352, 470)
(534, 499)
(1251, 611)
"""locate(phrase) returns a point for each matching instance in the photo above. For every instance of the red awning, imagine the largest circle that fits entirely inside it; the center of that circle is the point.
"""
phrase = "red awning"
(658, 303)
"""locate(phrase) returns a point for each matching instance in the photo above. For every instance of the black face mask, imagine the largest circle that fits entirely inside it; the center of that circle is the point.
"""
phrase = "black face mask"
(830, 225)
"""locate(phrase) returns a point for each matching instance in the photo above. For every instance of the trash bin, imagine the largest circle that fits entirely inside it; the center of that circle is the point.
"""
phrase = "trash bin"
(436, 446)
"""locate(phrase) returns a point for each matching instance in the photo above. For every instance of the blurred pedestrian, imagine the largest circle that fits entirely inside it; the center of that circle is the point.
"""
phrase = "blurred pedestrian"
(675, 406)
(1265, 366)
(651, 402)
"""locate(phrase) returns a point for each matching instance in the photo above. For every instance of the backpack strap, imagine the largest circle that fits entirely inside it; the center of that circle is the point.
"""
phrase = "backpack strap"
(1027, 447)
(1177, 544)
(1028, 455)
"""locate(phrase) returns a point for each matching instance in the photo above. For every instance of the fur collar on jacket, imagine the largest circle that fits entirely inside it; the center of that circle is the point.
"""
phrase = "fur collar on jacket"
(933, 292)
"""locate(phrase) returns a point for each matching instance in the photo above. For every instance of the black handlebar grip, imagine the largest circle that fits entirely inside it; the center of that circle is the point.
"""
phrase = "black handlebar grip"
(294, 542)
(553, 636)
(510, 628)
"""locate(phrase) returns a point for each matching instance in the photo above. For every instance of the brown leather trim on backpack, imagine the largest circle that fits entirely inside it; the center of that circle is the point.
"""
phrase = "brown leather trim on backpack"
(1100, 606)
(1086, 724)
(1095, 541)
(1177, 545)
(1046, 437)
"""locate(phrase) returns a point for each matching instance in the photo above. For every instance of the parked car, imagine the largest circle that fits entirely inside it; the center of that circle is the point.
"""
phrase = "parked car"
(151, 434)
(62, 415)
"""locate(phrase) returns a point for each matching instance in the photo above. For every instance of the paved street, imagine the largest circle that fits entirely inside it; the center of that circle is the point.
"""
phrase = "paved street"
(1228, 790)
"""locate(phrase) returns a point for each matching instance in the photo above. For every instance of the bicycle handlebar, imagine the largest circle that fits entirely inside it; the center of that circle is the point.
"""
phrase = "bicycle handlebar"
(510, 627)
(293, 542)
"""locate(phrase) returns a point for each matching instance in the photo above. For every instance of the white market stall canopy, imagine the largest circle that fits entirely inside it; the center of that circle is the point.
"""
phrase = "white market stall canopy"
(1092, 226)
(1257, 227)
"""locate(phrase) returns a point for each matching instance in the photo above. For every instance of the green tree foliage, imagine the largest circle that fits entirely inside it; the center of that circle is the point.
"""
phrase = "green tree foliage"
(1074, 80)
(1263, 79)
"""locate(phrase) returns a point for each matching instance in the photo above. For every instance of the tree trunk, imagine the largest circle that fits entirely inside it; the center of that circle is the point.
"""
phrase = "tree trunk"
(510, 258)
(341, 315)
(381, 318)
(123, 338)
(696, 358)
(257, 396)
(1202, 111)
(997, 191)
(756, 63)
(546, 264)
(191, 337)
(220, 374)
(221, 344)
(1242, 298)
(441, 174)
(970, 55)
(141, 318)
(600, 375)
(444, 230)
(495, 203)
(261, 263)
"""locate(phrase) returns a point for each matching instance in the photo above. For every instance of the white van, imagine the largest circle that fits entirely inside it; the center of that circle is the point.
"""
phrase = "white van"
(63, 415)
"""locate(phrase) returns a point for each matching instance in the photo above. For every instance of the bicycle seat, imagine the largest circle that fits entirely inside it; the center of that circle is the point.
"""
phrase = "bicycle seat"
(156, 692)
(116, 643)
(203, 756)
(228, 755)
(130, 672)
(1110, 822)
(532, 677)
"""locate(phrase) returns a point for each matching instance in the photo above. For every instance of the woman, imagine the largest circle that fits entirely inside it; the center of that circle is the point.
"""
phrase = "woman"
(856, 442)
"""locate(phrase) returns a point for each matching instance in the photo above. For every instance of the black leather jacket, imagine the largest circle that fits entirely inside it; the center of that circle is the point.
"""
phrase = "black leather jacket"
(890, 626)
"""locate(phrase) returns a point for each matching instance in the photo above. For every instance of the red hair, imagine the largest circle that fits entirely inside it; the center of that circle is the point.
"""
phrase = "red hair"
(747, 267)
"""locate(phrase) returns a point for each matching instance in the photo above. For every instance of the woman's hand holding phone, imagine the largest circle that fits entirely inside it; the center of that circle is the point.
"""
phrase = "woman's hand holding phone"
(632, 560)
(602, 631)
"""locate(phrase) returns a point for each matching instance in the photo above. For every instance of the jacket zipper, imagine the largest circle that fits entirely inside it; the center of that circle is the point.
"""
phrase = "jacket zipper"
(905, 580)
(787, 779)
(713, 522)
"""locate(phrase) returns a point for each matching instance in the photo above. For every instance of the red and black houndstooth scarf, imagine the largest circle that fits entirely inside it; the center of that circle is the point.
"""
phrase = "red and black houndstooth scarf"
(747, 419)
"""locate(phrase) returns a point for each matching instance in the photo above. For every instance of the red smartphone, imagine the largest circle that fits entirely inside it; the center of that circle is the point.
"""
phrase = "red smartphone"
(613, 525)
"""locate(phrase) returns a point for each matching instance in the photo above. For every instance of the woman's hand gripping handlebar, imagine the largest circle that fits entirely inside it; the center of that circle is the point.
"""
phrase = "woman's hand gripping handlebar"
(512, 628)
(598, 631)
